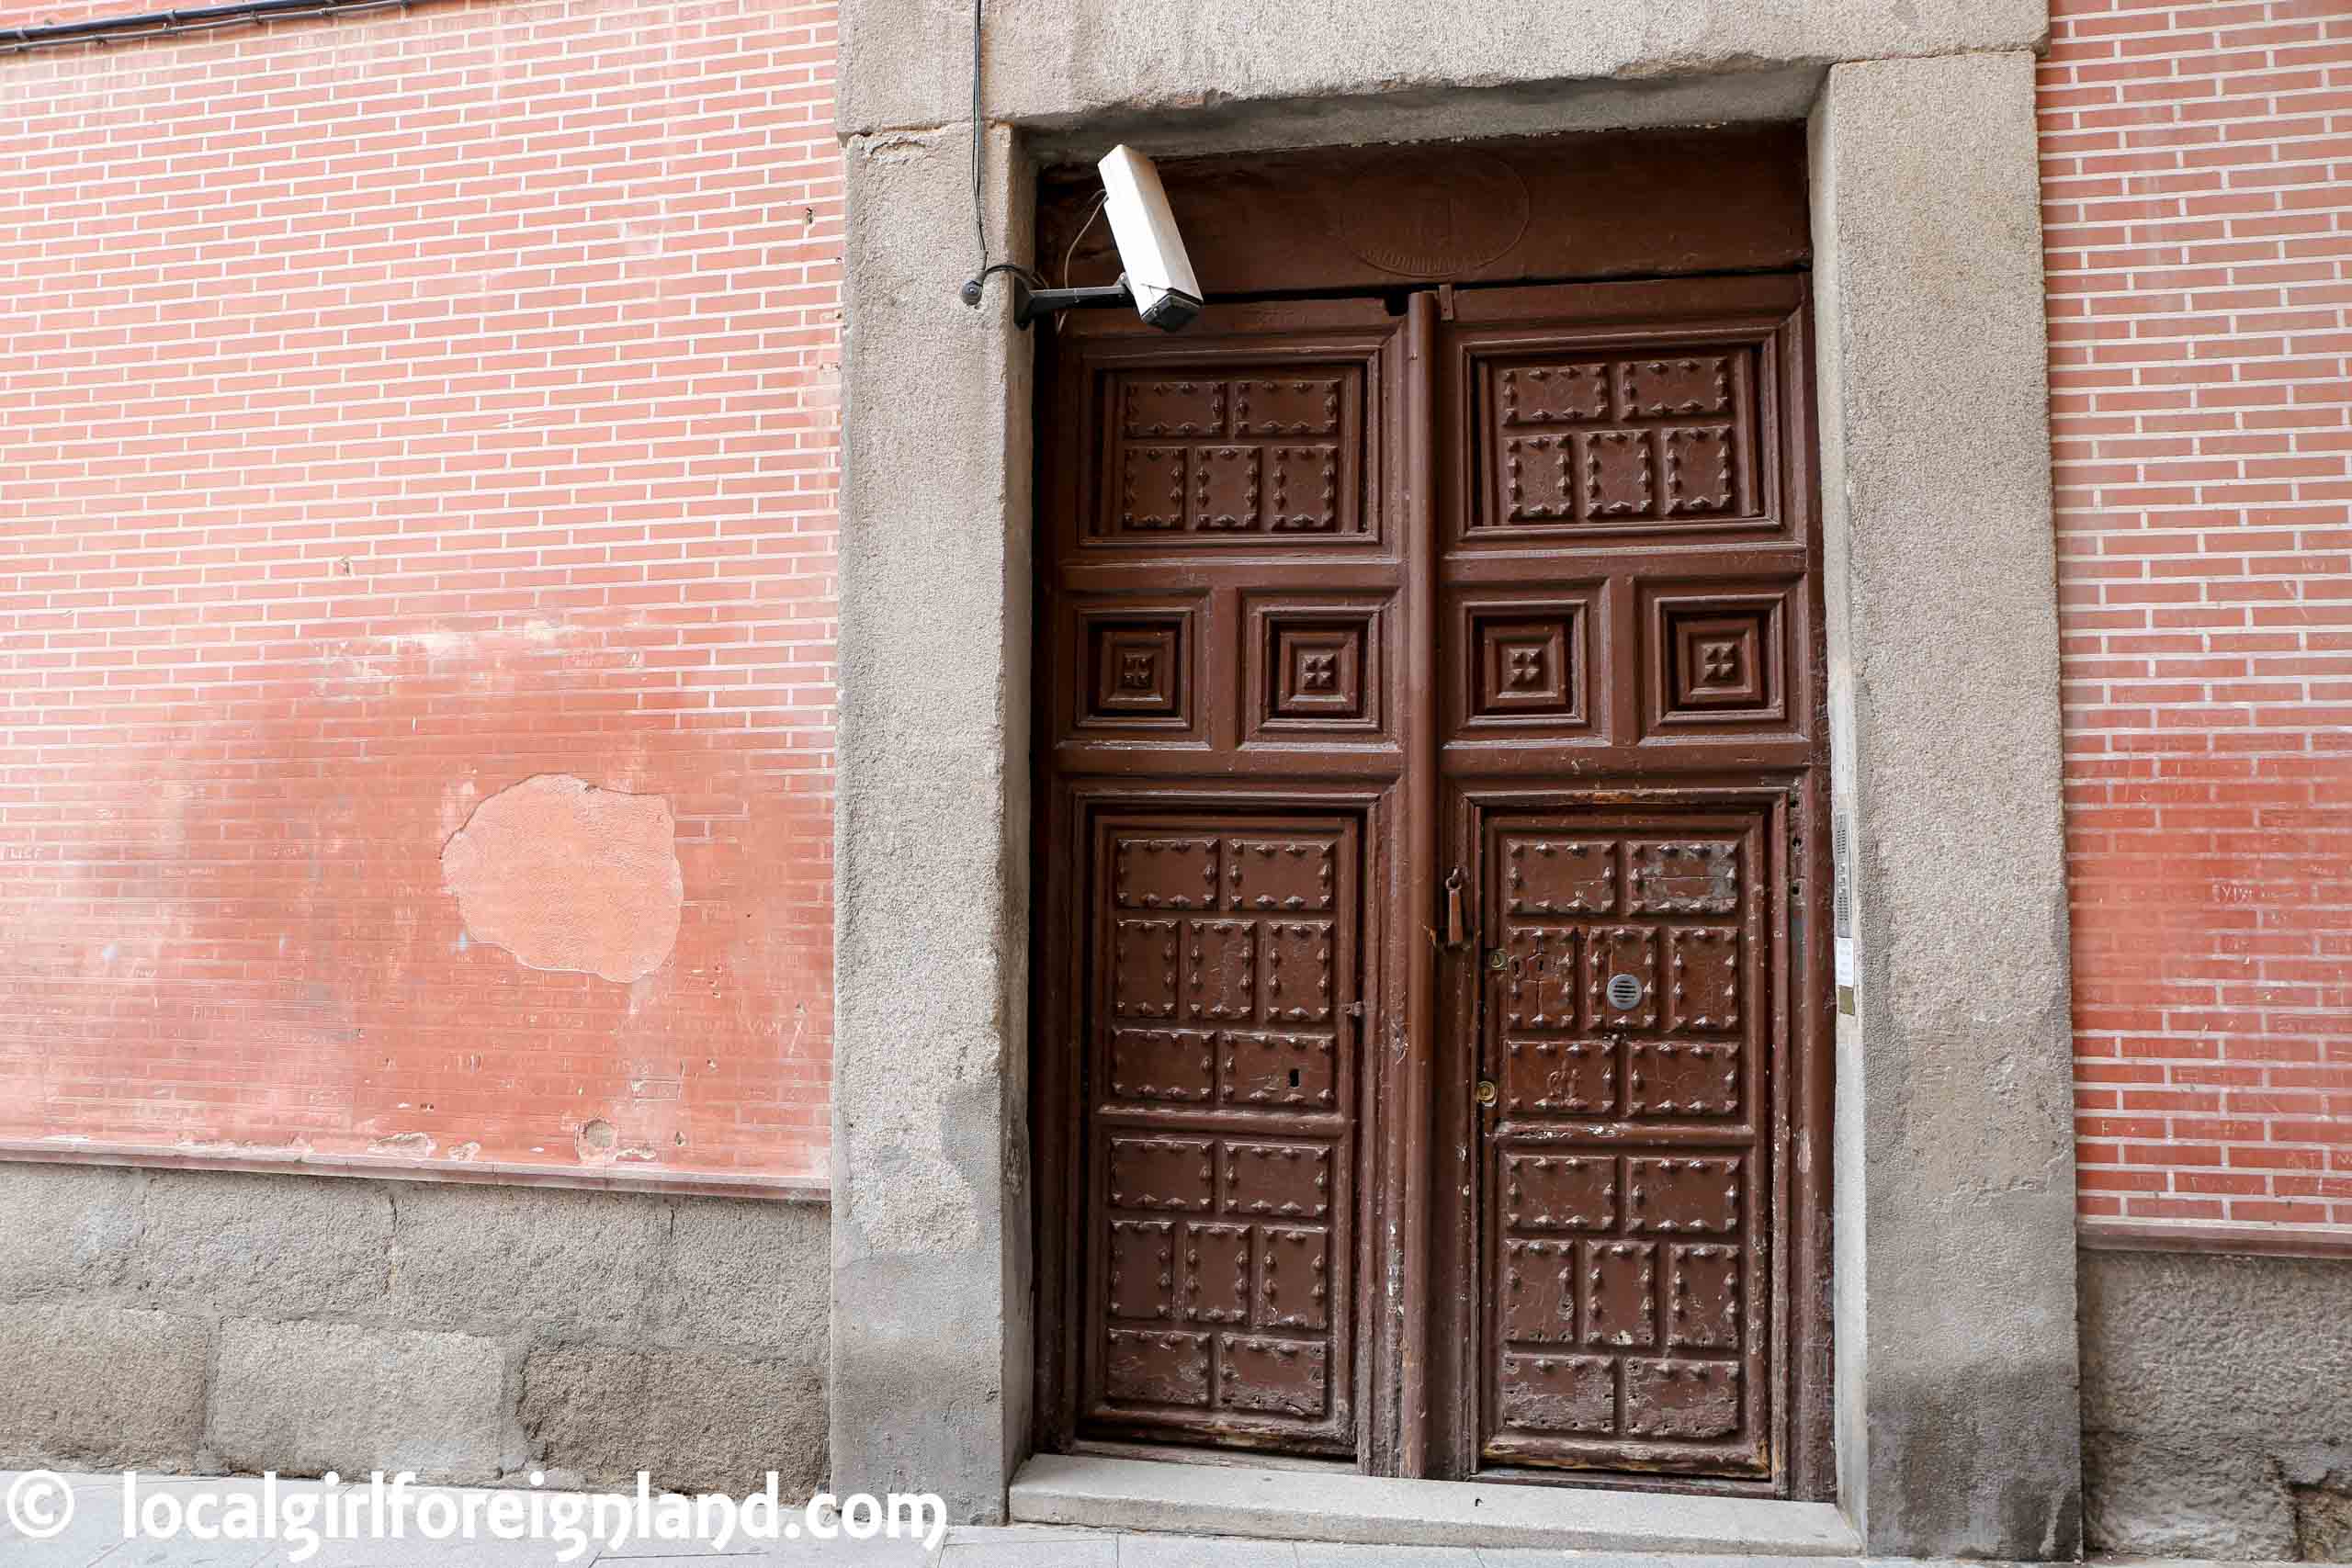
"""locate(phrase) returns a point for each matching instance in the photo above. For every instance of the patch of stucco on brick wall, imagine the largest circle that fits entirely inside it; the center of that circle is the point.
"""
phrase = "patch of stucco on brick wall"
(565, 876)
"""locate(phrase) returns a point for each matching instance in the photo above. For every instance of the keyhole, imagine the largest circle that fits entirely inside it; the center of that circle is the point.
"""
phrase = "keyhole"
(1294, 1077)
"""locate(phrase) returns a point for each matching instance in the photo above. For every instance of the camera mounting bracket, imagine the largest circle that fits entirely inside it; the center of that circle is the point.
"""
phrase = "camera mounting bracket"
(1028, 303)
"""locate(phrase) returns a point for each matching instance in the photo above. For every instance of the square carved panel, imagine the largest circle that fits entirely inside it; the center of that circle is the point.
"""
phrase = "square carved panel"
(1585, 439)
(1138, 669)
(1226, 488)
(1718, 660)
(1553, 394)
(1303, 489)
(1289, 405)
(1318, 671)
(1698, 469)
(1314, 666)
(1527, 662)
(1202, 457)
(1527, 666)
(1539, 479)
(1136, 666)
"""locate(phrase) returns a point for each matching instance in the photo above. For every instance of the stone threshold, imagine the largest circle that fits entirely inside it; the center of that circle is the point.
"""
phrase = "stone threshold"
(1365, 1510)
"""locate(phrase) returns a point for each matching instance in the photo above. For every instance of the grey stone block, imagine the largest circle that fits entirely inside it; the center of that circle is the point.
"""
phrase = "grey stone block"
(699, 1423)
(306, 1397)
(1958, 1424)
(65, 1227)
(2186, 1348)
(101, 1387)
(489, 1260)
(929, 1320)
(2217, 1405)
(748, 1273)
(904, 62)
(288, 1246)
(2321, 1493)
(2151, 1499)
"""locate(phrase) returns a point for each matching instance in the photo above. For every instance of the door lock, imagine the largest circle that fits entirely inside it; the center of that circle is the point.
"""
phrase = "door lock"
(1486, 1091)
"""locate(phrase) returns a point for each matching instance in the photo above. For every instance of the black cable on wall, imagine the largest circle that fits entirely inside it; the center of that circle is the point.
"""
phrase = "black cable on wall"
(151, 24)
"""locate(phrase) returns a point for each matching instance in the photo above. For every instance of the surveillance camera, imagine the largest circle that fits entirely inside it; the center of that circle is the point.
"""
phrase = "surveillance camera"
(1158, 273)
(1158, 280)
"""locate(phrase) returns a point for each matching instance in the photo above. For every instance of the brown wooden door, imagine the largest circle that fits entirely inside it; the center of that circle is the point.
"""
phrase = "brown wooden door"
(1632, 658)
(1428, 700)
(1624, 1173)
(1220, 748)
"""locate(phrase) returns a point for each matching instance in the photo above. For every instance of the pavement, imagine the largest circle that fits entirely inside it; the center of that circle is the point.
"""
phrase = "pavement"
(37, 1531)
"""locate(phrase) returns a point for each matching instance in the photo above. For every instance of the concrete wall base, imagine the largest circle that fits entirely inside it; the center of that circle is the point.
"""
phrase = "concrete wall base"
(208, 1322)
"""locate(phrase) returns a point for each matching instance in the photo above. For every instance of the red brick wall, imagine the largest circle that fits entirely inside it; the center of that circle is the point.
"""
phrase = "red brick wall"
(2197, 169)
(392, 408)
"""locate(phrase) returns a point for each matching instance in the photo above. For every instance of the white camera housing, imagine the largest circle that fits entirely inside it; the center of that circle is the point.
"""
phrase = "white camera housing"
(1156, 269)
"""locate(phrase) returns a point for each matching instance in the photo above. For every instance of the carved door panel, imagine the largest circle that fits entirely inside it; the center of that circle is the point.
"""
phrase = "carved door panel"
(1221, 1161)
(1627, 1023)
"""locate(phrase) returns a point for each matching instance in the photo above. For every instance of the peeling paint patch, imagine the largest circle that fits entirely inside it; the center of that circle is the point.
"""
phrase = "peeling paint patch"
(415, 1145)
(594, 1142)
(568, 876)
(432, 644)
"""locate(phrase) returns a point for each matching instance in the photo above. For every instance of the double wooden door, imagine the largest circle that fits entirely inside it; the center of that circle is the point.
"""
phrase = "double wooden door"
(1427, 1063)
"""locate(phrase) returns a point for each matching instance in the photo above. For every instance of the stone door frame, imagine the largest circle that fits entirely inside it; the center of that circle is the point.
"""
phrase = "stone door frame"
(1956, 1414)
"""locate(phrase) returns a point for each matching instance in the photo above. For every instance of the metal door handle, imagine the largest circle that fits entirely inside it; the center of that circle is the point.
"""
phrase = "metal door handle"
(1457, 927)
